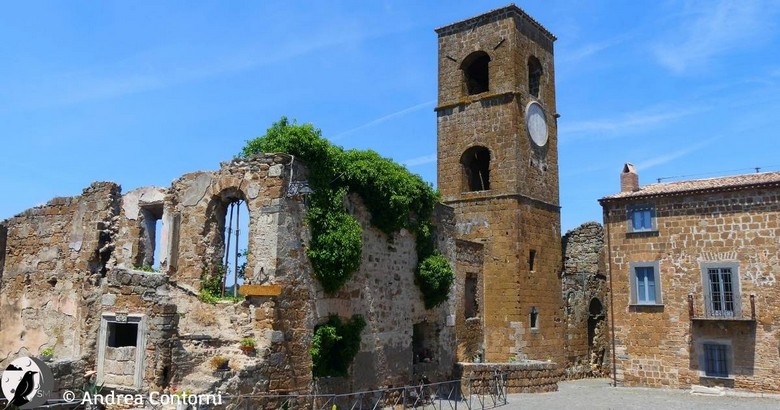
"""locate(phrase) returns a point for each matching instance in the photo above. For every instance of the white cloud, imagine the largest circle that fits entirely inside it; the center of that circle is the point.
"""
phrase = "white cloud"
(625, 123)
(673, 155)
(382, 119)
(589, 50)
(712, 29)
(425, 159)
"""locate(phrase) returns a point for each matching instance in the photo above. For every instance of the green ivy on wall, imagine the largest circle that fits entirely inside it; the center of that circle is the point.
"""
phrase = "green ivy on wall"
(334, 345)
(395, 197)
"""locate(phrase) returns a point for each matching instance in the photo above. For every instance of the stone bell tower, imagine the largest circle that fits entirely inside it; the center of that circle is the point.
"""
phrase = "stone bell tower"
(498, 168)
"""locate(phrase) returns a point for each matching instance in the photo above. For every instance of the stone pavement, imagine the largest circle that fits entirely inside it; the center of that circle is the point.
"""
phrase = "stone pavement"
(598, 394)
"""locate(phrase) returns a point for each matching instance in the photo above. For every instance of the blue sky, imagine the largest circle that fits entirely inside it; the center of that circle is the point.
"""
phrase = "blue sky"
(143, 92)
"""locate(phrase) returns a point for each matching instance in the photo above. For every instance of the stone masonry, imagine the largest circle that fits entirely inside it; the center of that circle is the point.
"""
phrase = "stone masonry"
(76, 274)
(585, 293)
(730, 223)
(71, 281)
(514, 215)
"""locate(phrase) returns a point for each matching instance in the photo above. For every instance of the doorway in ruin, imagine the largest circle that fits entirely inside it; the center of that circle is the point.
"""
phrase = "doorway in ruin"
(596, 328)
(425, 336)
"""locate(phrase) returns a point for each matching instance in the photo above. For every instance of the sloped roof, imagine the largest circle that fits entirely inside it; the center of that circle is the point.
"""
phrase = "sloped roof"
(728, 183)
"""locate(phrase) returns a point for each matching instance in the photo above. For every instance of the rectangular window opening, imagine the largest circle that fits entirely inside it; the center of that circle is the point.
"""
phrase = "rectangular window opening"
(641, 219)
(531, 259)
(534, 318)
(470, 294)
(122, 334)
(645, 283)
(721, 292)
(716, 360)
(151, 236)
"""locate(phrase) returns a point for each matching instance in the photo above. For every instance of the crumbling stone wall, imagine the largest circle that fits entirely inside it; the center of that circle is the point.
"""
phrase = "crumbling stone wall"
(392, 305)
(130, 292)
(71, 276)
(470, 330)
(585, 293)
(661, 345)
(135, 243)
(55, 256)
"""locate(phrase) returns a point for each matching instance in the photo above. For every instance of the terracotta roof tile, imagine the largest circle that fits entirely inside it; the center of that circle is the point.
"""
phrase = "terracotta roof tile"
(697, 185)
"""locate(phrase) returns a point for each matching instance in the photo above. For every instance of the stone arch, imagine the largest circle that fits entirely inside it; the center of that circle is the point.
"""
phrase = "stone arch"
(476, 72)
(476, 169)
(534, 76)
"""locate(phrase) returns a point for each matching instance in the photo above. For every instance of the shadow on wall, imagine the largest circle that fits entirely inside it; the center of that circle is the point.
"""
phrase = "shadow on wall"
(721, 350)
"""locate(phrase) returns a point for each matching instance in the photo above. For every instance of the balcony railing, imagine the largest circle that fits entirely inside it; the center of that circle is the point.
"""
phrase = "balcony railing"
(720, 310)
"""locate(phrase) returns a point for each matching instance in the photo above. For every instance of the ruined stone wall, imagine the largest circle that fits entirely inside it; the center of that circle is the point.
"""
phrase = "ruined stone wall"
(384, 293)
(145, 295)
(470, 329)
(135, 243)
(198, 202)
(278, 323)
(585, 293)
(75, 261)
(55, 255)
(661, 345)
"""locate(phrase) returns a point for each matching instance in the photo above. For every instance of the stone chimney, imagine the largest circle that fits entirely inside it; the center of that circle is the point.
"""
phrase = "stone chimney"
(629, 179)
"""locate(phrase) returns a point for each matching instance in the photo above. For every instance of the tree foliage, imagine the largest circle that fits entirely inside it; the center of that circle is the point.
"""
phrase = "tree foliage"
(335, 344)
(395, 197)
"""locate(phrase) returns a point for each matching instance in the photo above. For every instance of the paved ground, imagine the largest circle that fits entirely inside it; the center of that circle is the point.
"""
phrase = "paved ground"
(598, 394)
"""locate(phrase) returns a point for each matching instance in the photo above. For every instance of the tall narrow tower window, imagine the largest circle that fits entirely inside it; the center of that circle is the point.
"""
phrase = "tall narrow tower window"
(476, 73)
(476, 169)
(534, 76)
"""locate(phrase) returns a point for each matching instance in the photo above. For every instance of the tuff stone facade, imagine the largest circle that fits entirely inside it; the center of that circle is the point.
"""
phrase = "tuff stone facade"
(585, 293)
(731, 223)
(71, 271)
(513, 213)
(71, 281)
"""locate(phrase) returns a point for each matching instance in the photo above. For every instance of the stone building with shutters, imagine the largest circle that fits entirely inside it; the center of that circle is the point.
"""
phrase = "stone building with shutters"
(694, 268)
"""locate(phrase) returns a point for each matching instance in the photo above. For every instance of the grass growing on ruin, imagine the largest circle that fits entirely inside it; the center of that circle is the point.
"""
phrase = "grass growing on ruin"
(395, 197)
(334, 345)
(211, 286)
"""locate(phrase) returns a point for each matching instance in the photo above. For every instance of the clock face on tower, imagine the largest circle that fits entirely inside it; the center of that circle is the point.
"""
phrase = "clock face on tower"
(536, 122)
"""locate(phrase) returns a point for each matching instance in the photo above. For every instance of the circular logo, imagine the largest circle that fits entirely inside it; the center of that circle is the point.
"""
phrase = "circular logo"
(26, 383)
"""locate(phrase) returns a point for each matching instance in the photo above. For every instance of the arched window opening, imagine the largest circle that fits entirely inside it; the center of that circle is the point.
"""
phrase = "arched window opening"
(235, 234)
(476, 169)
(534, 76)
(227, 233)
(476, 73)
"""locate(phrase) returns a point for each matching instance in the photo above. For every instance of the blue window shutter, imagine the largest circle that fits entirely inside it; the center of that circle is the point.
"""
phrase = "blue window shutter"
(649, 274)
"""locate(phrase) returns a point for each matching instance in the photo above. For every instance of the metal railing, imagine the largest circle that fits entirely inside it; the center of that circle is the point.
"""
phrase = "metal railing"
(721, 311)
(467, 394)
